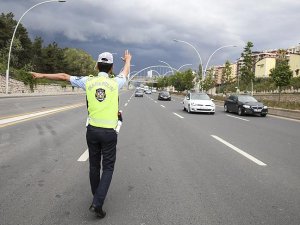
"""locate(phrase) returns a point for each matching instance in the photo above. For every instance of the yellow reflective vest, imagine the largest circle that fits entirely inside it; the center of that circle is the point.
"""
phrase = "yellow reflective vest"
(102, 98)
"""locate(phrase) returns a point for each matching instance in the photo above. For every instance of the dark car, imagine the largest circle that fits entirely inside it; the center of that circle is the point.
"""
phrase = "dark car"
(245, 104)
(139, 93)
(164, 95)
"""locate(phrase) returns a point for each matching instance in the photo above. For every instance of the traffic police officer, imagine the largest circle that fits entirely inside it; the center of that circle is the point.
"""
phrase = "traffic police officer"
(102, 103)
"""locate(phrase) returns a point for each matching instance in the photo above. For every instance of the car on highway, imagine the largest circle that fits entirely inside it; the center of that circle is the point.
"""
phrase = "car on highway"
(139, 93)
(245, 104)
(148, 92)
(164, 95)
(198, 102)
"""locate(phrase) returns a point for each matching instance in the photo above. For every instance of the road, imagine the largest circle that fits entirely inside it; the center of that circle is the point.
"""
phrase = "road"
(172, 167)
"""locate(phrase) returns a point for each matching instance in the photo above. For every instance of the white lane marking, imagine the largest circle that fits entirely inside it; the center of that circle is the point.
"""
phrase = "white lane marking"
(163, 106)
(237, 118)
(155, 101)
(284, 118)
(128, 100)
(178, 115)
(84, 156)
(248, 156)
(125, 104)
(4, 122)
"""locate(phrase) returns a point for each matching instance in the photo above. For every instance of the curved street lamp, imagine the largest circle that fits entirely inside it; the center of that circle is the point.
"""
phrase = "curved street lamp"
(129, 79)
(176, 40)
(225, 46)
(12, 39)
(183, 66)
(169, 66)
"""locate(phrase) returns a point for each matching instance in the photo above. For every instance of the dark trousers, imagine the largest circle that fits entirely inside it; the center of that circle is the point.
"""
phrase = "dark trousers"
(102, 143)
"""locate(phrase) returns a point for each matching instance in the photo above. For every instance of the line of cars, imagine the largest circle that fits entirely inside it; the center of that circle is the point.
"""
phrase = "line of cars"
(201, 102)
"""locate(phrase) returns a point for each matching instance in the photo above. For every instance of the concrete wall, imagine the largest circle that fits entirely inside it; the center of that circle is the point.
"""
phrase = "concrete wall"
(16, 87)
(285, 97)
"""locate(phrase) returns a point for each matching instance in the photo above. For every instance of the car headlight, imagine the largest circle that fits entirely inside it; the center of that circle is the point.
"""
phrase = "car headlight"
(246, 106)
(193, 103)
(265, 107)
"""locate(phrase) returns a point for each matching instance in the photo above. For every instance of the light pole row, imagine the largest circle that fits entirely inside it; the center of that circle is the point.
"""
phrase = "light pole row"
(203, 72)
(12, 39)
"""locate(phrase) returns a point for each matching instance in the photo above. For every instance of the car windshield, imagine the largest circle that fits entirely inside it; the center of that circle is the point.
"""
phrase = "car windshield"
(199, 96)
(165, 93)
(247, 98)
(139, 91)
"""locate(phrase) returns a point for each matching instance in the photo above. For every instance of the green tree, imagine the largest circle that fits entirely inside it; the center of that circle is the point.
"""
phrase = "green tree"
(78, 62)
(23, 55)
(162, 82)
(281, 74)
(53, 59)
(247, 72)
(182, 80)
(226, 75)
(37, 54)
(209, 81)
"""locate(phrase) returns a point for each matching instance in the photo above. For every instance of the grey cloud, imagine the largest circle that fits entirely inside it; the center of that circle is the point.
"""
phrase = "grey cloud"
(148, 27)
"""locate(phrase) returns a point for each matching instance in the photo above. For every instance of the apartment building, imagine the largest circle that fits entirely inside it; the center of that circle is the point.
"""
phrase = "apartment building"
(263, 62)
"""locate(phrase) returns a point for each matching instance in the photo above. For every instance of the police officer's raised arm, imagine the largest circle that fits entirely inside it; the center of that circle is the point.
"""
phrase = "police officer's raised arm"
(53, 76)
(127, 59)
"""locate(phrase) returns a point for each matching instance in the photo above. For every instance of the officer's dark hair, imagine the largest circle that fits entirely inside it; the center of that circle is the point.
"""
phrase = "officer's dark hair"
(104, 67)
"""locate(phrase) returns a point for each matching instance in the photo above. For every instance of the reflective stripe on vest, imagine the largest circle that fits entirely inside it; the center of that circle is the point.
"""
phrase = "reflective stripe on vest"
(102, 97)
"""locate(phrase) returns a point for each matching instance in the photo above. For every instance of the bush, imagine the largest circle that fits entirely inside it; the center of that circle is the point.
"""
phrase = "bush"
(27, 78)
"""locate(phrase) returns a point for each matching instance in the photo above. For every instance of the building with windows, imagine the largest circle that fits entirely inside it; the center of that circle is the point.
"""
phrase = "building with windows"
(294, 62)
(263, 67)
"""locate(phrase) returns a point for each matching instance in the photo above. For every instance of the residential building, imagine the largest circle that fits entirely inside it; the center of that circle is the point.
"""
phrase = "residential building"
(263, 67)
(294, 62)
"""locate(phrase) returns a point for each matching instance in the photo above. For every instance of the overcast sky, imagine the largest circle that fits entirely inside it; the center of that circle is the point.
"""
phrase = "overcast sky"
(147, 28)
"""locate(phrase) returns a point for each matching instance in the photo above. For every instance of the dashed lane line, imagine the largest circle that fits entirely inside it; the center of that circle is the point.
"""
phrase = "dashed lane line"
(237, 118)
(245, 154)
(84, 157)
(163, 106)
(178, 115)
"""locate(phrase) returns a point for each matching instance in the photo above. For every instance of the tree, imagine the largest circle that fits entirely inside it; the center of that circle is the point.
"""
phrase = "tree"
(78, 62)
(208, 82)
(53, 59)
(247, 72)
(162, 82)
(8, 24)
(182, 81)
(226, 75)
(37, 54)
(281, 74)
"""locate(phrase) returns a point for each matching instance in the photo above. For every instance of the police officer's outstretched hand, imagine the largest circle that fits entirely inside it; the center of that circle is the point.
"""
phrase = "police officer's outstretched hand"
(127, 59)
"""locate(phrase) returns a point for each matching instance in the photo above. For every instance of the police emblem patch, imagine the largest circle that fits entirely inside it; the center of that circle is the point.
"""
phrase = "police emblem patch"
(100, 94)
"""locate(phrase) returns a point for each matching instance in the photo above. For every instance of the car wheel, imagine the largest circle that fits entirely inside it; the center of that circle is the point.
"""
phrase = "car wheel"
(184, 108)
(225, 108)
(213, 113)
(240, 111)
(263, 115)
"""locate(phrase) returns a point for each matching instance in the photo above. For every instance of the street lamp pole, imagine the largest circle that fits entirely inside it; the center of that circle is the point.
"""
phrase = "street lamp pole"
(225, 46)
(12, 39)
(168, 66)
(183, 66)
(176, 40)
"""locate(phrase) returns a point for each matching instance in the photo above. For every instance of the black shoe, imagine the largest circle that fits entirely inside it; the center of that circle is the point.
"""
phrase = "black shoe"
(98, 211)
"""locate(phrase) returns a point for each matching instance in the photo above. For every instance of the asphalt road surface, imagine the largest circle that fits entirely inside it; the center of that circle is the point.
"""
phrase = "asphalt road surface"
(172, 167)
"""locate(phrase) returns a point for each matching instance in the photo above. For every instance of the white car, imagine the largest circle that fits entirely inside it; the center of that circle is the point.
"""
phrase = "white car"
(198, 102)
